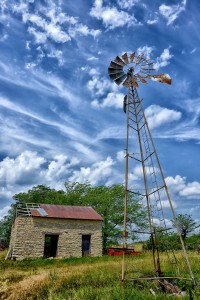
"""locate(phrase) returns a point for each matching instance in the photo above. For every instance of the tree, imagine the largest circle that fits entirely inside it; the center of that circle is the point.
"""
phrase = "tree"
(107, 201)
(186, 224)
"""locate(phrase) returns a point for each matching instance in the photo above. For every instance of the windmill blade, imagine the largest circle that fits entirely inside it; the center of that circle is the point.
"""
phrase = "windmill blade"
(114, 71)
(142, 79)
(132, 57)
(125, 58)
(134, 82)
(127, 82)
(119, 61)
(114, 76)
(164, 78)
(147, 64)
(139, 58)
(114, 65)
(119, 80)
(148, 69)
(143, 60)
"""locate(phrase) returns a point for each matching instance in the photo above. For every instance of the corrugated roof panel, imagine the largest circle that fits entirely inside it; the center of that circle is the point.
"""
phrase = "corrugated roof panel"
(42, 212)
(66, 212)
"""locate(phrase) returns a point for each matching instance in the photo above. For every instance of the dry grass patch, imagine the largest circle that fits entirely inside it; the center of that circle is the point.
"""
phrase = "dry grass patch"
(82, 279)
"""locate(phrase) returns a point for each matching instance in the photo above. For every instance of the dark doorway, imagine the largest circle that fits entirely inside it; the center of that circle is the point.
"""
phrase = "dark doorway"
(50, 245)
(86, 245)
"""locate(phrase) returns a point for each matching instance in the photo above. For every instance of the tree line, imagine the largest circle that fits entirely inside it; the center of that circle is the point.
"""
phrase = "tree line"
(108, 201)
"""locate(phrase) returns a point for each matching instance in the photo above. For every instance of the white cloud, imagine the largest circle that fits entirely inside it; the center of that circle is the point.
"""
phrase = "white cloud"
(40, 37)
(172, 12)
(21, 169)
(94, 72)
(157, 115)
(30, 168)
(111, 16)
(127, 4)
(121, 155)
(138, 172)
(193, 51)
(163, 60)
(158, 222)
(179, 185)
(99, 86)
(50, 29)
(192, 189)
(92, 58)
(30, 65)
(49, 22)
(58, 168)
(146, 50)
(83, 30)
(94, 174)
(112, 100)
(57, 54)
(152, 21)
(4, 212)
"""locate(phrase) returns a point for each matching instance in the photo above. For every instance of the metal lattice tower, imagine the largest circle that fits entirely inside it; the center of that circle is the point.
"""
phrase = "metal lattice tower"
(141, 155)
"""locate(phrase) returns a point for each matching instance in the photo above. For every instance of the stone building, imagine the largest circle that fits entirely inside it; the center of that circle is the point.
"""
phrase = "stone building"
(55, 231)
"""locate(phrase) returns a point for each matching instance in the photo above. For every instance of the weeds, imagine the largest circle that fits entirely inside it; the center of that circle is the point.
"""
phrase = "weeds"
(84, 279)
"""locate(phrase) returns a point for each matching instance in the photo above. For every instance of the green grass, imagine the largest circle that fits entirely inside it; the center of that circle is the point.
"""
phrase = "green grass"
(87, 278)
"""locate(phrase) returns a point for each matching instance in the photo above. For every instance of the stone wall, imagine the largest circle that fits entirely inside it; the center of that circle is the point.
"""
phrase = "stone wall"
(28, 236)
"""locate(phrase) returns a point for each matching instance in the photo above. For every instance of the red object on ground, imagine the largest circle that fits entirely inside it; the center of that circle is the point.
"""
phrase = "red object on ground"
(119, 252)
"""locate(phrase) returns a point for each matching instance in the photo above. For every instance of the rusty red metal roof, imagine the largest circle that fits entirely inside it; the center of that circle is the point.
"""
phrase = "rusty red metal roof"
(66, 212)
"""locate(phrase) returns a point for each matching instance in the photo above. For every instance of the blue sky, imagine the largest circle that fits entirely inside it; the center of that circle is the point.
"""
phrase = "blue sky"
(61, 117)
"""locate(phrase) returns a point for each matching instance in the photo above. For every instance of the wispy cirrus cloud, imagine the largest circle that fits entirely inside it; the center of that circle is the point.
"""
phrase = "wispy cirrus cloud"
(171, 13)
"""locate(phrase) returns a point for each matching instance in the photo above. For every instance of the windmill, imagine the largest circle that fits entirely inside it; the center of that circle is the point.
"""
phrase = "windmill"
(130, 71)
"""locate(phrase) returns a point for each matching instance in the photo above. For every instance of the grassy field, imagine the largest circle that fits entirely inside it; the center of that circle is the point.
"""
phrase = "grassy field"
(83, 278)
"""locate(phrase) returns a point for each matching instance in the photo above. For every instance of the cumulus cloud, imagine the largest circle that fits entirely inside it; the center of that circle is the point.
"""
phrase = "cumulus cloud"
(96, 173)
(59, 168)
(23, 168)
(172, 12)
(157, 115)
(146, 50)
(192, 189)
(111, 16)
(112, 100)
(163, 60)
(98, 86)
(179, 185)
(31, 168)
(121, 155)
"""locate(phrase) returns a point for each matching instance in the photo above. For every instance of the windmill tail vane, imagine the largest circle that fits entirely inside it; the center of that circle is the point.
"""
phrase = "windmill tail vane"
(130, 71)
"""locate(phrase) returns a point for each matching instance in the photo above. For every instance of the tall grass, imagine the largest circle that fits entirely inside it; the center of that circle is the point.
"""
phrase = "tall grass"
(83, 279)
